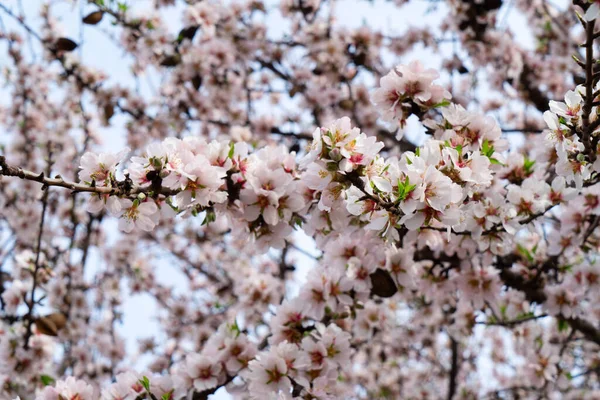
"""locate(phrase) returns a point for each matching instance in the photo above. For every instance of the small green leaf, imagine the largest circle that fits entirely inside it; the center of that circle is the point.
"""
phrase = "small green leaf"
(231, 150)
(486, 149)
(145, 382)
(528, 165)
(562, 325)
(210, 217)
(444, 103)
(562, 120)
(523, 251)
(503, 310)
(47, 380)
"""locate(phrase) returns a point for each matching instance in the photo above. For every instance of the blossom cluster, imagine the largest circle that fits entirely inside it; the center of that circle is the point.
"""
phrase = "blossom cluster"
(466, 250)
(459, 181)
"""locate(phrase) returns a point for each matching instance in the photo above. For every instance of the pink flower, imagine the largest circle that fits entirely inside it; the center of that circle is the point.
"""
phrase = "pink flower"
(268, 374)
(136, 214)
(203, 372)
(69, 388)
(100, 168)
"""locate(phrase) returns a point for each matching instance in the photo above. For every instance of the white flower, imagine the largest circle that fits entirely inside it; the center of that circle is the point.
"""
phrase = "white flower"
(560, 193)
(268, 374)
(100, 168)
(439, 190)
(571, 108)
(69, 388)
(97, 202)
(316, 176)
(143, 215)
(126, 387)
(203, 371)
(593, 11)
(240, 133)
(404, 83)
(13, 296)
(198, 372)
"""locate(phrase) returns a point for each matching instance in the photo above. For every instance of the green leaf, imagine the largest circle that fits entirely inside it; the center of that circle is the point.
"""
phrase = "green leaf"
(562, 120)
(523, 251)
(444, 103)
(487, 149)
(235, 328)
(459, 149)
(210, 217)
(47, 380)
(562, 325)
(565, 268)
(297, 221)
(231, 150)
(503, 310)
(528, 165)
(404, 188)
(145, 382)
(400, 187)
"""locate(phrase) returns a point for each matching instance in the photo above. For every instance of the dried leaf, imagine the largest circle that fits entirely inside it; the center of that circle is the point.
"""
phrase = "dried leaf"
(171, 61)
(383, 284)
(93, 18)
(187, 33)
(109, 111)
(51, 324)
(65, 44)
(197, 81)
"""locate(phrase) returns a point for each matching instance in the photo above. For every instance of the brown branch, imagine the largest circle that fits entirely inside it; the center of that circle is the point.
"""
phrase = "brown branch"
(510, 324)
(31, 304)
(122, 190)
(454, 368)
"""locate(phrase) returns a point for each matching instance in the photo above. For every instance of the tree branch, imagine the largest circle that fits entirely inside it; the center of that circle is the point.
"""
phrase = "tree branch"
(454, 368)
(18, 172)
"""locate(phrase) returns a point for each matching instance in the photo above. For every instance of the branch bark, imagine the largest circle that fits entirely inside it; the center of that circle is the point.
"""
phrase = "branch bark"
(7, 170)
(454, 368)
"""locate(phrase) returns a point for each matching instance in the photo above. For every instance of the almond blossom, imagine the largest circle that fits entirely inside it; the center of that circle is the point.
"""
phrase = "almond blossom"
(308, 211)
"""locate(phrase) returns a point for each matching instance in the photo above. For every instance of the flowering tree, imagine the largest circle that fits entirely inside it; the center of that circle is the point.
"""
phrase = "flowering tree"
(460, 266)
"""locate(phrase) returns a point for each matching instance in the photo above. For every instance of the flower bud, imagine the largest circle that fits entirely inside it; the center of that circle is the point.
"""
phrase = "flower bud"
(335, 154)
